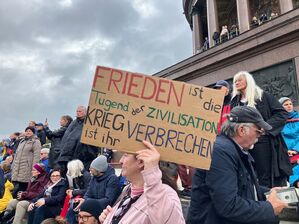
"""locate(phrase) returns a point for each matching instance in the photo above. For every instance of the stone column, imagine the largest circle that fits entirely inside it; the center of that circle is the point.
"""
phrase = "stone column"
(212, 17)
(243, 15)
(197, 37)
(285, 5)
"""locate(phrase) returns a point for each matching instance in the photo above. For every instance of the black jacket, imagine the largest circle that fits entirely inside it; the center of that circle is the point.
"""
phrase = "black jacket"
(273, 144)
(72, 148)
(41, 134)
(55, 138)
(70, 140)
(55, 201)
(225, 193)
(81, 184)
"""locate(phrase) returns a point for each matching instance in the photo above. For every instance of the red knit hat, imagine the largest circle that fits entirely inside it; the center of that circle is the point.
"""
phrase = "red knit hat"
(39, 167)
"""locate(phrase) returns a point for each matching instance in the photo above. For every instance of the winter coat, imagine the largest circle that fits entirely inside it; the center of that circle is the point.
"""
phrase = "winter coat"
(225, 110)
(2, 181)
(46, 164)
(41, 134)
(159, 204)
(104, 188)
(14, 145)
(72, 148)
(271, 145)
(55, 138)
(225, 193)
(7, 196)
(35, 187)
(70, 140)
(81, 184)
(290, 132)
(55, 201)
(27, 154)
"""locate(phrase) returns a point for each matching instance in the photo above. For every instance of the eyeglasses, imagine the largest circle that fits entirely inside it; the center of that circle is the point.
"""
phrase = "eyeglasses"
(55, 175)
(260, 131)
(84, 217)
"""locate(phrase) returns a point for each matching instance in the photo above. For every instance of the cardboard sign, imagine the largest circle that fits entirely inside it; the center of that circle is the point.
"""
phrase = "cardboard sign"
(179, 119)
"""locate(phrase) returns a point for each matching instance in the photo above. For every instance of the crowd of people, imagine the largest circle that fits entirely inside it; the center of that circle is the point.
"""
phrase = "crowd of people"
(256, 151)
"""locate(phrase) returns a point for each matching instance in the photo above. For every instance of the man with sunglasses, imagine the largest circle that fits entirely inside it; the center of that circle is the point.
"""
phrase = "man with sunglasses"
(229, 192)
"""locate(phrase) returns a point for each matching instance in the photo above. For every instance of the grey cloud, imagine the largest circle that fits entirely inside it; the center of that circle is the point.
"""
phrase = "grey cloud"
(48, 53)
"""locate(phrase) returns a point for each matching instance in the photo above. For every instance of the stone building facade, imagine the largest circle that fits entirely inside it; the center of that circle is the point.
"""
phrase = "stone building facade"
(262, 37)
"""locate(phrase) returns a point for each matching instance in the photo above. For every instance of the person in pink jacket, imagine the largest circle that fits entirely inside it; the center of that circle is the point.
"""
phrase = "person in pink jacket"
(146, 200)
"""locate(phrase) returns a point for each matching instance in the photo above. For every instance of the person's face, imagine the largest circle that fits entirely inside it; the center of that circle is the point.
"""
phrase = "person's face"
(95, 173)
(240, 83)
(55, 176)
(12, 136)
(28, 133)
(250, 135)
(288, 106)
(80, 112)
(62, 122)
(31, 124)
(39, 127)
(224, 89)
(34, 172)
(86, 218)
(44, 155)
(130, 165)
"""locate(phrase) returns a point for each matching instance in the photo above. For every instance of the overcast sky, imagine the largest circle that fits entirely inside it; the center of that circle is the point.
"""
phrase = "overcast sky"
(49, 51)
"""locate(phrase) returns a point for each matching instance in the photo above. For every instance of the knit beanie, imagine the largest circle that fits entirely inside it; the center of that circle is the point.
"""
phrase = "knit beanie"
(31, 128)
(283, 99)
(93, 207)
(100, 164)
(39, 167)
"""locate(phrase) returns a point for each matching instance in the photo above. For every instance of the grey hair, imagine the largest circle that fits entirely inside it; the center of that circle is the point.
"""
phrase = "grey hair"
(253, 92)
(83, 108)
(230, 128)
(75, 168)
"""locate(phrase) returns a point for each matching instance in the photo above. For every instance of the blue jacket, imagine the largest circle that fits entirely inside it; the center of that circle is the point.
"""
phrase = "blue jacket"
(2, 182)
(105, 188)
(225, 194)
(295, 177)
(290, 131)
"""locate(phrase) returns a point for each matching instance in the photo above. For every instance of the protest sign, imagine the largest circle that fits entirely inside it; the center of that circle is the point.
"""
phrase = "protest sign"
(178, 118)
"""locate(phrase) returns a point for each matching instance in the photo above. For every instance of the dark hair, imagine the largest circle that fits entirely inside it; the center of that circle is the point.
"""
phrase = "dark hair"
(17, 134)
(55, 169)
(68, 119)
(166, 179)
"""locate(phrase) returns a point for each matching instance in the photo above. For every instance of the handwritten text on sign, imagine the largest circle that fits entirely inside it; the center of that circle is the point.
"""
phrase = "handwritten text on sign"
(178, 118)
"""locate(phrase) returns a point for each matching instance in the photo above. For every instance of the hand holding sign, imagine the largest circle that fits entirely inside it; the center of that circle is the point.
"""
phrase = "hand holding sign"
(149, 156)
(178, 119)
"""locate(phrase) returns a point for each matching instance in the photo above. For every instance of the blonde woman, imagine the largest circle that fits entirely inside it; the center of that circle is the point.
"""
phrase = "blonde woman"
(270, 152)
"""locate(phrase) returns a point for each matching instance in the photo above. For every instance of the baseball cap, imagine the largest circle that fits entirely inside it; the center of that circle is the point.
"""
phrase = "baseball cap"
(246, 114)
(221, 83)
